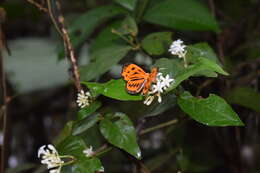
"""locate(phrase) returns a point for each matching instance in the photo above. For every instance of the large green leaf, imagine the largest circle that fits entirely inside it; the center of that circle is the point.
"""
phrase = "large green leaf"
(203, 64)
(244, 96)
(182, 14)
(84, 25)
(129, 4)
(212, 111)
(121, 133)
(84, 112)
(114, 89)
(83, 125)
(157, 43)
(103, 60)
(88, 165)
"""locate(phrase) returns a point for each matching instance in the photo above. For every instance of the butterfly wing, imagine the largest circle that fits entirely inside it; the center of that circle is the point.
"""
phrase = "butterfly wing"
(135, 86)
(131, 71)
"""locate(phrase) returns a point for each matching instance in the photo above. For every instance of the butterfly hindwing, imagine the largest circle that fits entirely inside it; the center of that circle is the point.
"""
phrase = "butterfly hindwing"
(135, 86)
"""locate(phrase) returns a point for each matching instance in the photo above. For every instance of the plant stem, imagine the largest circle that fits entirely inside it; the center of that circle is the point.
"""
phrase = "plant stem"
(159, 126)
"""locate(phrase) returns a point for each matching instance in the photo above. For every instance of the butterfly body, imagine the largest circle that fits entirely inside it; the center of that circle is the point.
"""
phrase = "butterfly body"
(137, 79)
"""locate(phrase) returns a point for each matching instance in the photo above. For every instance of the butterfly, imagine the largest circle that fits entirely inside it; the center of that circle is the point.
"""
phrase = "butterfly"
(137, 79)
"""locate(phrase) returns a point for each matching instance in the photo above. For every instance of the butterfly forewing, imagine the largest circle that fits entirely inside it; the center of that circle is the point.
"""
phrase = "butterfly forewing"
(131, 70)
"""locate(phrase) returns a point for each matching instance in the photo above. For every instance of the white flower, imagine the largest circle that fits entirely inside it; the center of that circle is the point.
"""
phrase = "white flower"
(101, 169)
(178, 48)
(161, 85)
(83, 99)
(49, 156)
(166, 81)
(88, 151)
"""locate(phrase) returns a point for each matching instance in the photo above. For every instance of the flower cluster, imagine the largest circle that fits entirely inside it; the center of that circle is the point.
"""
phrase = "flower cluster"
(49, 156)
(161, 85)
(178, 48)
(83, 99)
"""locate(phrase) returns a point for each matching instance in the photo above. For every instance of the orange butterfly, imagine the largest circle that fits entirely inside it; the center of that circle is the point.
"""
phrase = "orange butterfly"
(137, 79)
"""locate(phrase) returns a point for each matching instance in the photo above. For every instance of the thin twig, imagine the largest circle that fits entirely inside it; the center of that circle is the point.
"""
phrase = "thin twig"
(159, 126)
(60, 24)
(38, 5)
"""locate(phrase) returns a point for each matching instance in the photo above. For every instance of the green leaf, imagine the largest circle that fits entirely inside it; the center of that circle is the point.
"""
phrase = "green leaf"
(128, 26)
(172, 67)
(105, 38)
(244, 96)
(72, 145)
(114, 89)
(157, 43)
(66, 131)
(212, 111)
(129, 4)
(103, 60)
(182, 15)
(83, 125)
(82, 113)
(85, 24)
(121, 133)
(88, 165)
(168, 101)
(202, 64)
(201, 50)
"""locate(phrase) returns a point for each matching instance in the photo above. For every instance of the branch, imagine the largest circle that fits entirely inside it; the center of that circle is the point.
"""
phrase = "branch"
(38, 5)
(59, 22)
(3, 98)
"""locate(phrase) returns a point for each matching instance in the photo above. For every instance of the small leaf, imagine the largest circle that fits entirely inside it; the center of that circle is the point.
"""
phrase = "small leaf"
(103, 60)
(157, 43)
(129, 4)
(244, 96)
(121, 133)
(201, 50)
(88, 165)
(84, 124)
(114, 89)
(212, 111)
(84, 25)
(128, 26)
(84, 112)
(66, 131)
(182, 15)
(72, 145)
